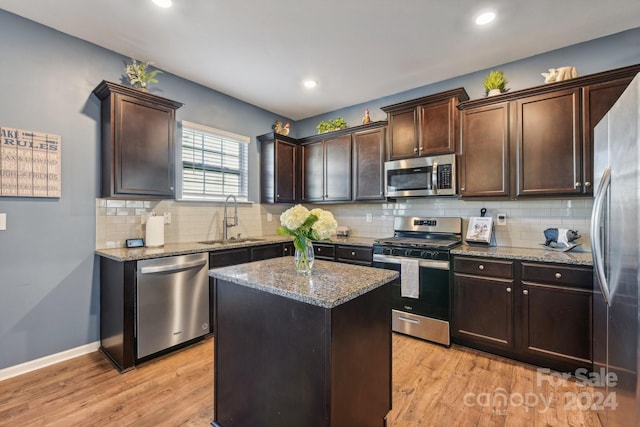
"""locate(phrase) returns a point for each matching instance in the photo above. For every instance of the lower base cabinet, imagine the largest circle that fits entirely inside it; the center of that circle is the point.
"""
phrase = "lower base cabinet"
(534, 312)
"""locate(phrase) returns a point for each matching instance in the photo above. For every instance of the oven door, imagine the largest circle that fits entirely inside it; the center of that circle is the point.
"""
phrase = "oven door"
(427, 316)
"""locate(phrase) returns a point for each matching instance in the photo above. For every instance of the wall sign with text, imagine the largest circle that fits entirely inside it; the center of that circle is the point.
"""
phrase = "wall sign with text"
(29, 163)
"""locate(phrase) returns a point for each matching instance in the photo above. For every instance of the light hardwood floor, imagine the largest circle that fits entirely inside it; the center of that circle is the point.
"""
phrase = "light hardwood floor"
(432, 386)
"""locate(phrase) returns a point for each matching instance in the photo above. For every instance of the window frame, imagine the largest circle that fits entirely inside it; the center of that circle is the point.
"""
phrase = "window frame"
(244, 157)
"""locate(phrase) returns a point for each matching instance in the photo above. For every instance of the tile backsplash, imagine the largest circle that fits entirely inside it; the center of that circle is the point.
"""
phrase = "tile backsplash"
(118, 220)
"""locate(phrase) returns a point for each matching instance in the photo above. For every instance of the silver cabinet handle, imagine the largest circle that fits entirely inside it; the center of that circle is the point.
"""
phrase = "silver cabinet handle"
(353, 253)
(525, 292)
(481, 267)
(508, 290)
(558, 275)
(415, 149)
(587, 184)
(578, 184)
(461, 188)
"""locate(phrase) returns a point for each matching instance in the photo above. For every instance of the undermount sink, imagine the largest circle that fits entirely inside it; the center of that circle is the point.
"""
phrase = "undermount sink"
(231, 241)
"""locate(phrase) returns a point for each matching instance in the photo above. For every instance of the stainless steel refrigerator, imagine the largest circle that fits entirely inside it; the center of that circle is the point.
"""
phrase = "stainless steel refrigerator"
(615, 237)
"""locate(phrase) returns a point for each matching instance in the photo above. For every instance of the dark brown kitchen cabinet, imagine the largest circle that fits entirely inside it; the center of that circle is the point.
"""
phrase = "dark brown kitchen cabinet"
(557, 305)
(279, 169)
(425, 126)
(368, 164)
(484, 161)
(137, 139)
(361, 255)
(483, 302)
(538, 313)
(325, 251)
(549, 144)
(544, 133)
(326, 170)
(262, 252)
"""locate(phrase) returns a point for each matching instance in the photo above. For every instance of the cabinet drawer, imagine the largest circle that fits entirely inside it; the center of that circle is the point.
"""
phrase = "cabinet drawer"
(484, 267)
(363, 255)
(580, 277)
(324, 251)
(228, 257)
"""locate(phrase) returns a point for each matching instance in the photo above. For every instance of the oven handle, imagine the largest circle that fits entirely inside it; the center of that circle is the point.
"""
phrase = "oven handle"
(424, 263)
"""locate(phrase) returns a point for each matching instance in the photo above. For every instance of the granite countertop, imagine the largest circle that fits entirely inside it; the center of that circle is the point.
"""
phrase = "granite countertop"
(329, 285)
(526, 254)
(171, 249)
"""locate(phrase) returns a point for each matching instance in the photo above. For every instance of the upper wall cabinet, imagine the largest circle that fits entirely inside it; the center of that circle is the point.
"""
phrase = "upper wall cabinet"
(536, 142)
(326, 169)
(424, 127)
(137, 143)
(279, 169)
(368, 164)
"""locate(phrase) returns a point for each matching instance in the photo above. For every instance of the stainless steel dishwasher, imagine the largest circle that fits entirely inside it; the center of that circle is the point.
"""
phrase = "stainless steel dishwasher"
(172, 301)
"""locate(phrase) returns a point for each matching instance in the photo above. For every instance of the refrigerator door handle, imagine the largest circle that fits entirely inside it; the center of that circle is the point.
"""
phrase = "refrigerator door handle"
(596, 218)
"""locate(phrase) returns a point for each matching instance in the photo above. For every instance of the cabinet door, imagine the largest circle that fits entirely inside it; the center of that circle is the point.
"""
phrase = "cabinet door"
(437, 123)
(286, 163)
(368, 165)
(548, 144)
(556, 323)
(144, 148)
(313, 172)
(597, 100)
(337, 168)
(483, 310)
(484, 160)
(262, 252)
(403, 134)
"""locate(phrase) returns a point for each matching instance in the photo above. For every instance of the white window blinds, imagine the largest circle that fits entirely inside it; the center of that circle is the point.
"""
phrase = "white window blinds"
(214, 163)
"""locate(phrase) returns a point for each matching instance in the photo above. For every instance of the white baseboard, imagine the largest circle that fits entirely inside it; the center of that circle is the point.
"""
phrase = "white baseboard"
(32, 365)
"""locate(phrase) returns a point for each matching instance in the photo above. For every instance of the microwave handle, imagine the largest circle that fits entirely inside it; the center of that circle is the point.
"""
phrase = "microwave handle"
(434, 177)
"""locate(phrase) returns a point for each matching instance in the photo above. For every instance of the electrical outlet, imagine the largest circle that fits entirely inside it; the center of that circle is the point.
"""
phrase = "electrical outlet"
(269, 217)
(369, 217)
(3, 221)
(167, 217)
(502, 219)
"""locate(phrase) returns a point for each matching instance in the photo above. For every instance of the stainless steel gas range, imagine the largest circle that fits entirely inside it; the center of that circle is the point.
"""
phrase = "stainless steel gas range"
(420, 251)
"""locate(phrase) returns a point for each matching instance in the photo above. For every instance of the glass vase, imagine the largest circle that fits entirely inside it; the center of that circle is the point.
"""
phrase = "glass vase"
(304, 260)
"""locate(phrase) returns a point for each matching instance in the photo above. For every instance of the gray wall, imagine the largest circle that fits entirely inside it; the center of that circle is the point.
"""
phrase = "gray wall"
(48, 272)
(603, 54)
(49, 294)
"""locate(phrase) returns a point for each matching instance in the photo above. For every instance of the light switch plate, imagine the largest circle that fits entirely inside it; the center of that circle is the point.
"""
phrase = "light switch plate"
(269, 217)
(3, 221)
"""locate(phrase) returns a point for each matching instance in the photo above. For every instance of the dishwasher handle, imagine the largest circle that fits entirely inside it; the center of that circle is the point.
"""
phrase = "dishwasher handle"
(172, 267)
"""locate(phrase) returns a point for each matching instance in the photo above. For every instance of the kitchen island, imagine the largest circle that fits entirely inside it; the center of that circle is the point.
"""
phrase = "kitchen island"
(296, 350)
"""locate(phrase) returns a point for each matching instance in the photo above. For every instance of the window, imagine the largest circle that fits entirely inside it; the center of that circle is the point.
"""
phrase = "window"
(214, 163)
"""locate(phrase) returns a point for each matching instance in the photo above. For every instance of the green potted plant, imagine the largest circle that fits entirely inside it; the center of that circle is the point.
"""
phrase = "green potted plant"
(331, 125)
(495, 83)
(138, 75)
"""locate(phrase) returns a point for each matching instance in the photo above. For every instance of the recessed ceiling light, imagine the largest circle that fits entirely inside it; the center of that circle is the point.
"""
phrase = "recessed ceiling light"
(485, 18)
(163, 3)
(310, 84)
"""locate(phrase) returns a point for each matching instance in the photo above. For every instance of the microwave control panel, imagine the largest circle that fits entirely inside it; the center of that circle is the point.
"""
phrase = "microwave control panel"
(444, 176)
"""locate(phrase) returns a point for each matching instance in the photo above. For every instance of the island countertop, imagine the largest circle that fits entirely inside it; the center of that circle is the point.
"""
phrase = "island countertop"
(329, 285)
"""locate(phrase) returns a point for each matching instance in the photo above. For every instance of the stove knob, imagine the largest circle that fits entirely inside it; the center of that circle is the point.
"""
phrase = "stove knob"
(425, 254)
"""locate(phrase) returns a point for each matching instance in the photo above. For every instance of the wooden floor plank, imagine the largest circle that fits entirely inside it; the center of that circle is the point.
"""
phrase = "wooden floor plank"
(432, 386)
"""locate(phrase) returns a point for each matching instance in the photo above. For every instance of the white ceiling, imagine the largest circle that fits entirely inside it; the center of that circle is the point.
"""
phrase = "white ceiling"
(260, 51)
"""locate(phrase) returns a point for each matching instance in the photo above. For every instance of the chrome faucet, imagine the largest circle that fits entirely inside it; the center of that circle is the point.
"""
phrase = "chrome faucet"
(225, 220)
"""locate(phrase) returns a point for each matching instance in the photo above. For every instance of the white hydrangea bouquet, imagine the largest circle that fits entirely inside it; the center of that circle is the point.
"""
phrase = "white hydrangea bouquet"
(306, 226)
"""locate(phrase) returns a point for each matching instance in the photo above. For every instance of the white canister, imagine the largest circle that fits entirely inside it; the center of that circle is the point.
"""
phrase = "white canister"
(155, 232)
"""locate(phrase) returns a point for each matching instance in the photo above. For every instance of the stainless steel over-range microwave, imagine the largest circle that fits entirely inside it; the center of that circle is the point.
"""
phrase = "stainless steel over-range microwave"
(421, 176)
